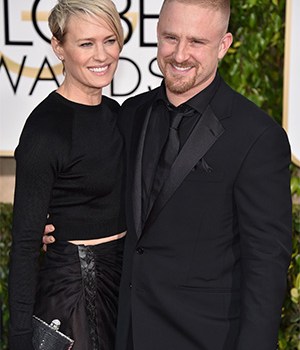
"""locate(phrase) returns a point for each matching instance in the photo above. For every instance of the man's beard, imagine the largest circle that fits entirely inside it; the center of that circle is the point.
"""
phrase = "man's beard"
(179, 85)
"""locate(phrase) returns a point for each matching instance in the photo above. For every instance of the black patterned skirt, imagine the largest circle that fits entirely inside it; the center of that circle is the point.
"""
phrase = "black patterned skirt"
(79, 285)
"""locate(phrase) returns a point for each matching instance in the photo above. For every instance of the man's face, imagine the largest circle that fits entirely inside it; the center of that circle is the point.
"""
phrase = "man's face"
(191, 41)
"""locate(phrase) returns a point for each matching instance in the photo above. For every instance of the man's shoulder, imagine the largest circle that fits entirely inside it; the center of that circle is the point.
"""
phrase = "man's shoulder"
(242, 115)
(140, 99)
(129, 108)
(111, 103)
(238, 104)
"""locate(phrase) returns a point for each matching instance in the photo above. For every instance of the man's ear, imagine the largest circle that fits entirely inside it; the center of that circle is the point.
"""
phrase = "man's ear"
(225, 43)
(57, 48)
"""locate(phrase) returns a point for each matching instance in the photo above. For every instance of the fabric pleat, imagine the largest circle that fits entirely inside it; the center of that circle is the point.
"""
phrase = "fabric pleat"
(79, 285)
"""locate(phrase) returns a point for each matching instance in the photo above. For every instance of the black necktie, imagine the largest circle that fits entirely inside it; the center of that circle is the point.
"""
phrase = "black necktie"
(173, 143)
(169, 153)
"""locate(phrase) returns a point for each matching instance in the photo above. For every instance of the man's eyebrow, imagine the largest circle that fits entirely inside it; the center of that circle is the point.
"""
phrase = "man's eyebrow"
(165, 32)
(190, 38)
(198, 38)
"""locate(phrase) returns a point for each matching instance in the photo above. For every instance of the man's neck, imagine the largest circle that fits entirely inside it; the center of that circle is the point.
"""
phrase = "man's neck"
(176, 99)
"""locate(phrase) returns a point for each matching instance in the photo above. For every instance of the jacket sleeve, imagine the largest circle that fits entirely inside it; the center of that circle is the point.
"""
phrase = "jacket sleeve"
(263, 201)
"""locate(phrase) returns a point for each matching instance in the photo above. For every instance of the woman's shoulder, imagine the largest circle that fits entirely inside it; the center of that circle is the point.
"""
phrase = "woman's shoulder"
(111, 103)
(48, 127)
(50, 111)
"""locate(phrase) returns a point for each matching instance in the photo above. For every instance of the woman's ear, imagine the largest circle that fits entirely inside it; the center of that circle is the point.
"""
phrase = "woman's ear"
(57, 48)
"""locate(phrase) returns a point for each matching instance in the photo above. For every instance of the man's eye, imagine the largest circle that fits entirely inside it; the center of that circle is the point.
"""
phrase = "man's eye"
(198, 42)
(171, 38)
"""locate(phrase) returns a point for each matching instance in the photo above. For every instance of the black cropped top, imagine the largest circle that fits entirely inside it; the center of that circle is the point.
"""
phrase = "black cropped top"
(69, 168)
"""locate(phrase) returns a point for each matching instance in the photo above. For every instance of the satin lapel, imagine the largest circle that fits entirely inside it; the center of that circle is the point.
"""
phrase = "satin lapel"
(205, 133)
(140, 133)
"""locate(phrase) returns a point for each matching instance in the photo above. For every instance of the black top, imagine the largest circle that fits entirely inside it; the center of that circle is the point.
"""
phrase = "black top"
(70, 166)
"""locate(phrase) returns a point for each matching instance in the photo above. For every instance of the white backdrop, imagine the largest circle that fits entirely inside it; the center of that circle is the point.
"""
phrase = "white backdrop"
(29, 70)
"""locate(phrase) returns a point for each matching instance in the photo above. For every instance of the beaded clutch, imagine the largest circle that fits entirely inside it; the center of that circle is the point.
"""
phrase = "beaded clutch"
(48, 337)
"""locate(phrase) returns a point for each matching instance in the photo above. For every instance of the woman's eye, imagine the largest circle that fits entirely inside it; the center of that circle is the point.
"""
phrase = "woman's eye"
(86, 44)
(111, 41)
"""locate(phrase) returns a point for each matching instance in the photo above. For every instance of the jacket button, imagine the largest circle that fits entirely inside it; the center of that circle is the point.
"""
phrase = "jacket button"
(140, 250)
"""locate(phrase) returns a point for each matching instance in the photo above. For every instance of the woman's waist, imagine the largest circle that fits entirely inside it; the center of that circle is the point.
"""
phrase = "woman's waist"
(64, 253)
(87, 230)
(96, 241)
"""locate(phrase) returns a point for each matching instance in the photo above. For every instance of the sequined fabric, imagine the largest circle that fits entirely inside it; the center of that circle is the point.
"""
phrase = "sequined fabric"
(88, 270)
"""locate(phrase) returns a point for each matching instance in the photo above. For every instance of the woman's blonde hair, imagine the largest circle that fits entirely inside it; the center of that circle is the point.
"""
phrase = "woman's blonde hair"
(105, 9)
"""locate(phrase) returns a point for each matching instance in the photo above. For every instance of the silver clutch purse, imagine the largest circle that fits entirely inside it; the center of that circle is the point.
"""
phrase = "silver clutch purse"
(48, 337)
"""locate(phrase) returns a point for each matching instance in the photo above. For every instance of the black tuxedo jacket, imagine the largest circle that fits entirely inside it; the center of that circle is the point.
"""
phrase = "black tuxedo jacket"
(208, 269)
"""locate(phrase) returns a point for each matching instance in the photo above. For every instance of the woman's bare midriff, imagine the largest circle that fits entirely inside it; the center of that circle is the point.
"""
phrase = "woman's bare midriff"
(99, 240)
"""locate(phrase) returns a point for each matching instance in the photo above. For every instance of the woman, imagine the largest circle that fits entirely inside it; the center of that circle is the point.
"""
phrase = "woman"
(69, 168)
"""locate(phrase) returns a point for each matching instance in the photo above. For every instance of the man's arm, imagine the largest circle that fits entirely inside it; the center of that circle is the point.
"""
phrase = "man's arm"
(263, 201)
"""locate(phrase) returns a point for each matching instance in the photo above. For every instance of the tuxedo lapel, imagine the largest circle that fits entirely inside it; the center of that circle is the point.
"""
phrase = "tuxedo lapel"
(139, 133)
(205, 133)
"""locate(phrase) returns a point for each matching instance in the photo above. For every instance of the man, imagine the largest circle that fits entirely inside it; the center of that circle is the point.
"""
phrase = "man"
(206, 259)
(209, 236)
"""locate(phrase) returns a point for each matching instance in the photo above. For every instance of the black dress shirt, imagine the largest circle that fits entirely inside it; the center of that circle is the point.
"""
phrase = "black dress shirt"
(158, 127)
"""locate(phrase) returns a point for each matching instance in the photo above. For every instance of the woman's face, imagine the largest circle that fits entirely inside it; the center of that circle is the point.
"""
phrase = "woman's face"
(90, 54)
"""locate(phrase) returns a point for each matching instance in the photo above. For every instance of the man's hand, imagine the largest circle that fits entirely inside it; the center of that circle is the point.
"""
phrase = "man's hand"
(48, 238)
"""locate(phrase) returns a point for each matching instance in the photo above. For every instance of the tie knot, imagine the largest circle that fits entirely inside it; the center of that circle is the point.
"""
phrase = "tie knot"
(177, 114)
(176, 118)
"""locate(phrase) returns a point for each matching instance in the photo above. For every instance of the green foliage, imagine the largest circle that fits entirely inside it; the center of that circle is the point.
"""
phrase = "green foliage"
(5, 242)
(289, 335)
(254, 63)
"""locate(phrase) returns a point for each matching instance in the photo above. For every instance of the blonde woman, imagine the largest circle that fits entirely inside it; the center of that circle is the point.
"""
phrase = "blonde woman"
(70, 168)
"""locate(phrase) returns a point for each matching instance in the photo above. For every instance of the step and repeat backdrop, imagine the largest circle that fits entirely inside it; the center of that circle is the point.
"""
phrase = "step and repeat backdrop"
(29, 70)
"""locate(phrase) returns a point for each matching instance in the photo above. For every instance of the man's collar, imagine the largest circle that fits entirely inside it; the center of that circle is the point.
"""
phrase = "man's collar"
(198, 102)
